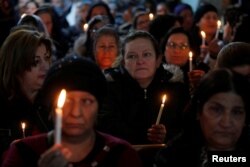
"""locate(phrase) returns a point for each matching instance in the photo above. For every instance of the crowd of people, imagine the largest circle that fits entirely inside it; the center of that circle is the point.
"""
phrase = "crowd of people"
(155, 74)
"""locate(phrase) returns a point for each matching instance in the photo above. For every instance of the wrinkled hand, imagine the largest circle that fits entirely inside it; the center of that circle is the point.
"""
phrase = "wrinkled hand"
(157, 133)
(195, 77)
(56, 156)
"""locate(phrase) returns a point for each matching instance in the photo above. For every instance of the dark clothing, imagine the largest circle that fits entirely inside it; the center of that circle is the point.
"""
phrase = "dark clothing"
(189, 151)
(129, 110)
(107, 151)
(13, 112)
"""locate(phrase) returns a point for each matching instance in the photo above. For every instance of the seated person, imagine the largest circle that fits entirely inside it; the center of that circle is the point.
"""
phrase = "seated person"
(81, 144)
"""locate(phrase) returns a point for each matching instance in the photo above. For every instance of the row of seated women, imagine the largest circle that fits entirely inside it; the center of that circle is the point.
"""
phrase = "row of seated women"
(128, 101)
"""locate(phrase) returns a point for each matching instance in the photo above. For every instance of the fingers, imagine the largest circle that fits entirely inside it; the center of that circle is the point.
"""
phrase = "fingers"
(157, 133)
(55, 157)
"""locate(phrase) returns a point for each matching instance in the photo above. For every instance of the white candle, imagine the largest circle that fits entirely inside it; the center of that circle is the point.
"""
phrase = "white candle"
(58, 121)
(85, 27)
(161, 109)
(23, 128)
(203, 35)
(190, 55)
(218, 29)
(151, 16)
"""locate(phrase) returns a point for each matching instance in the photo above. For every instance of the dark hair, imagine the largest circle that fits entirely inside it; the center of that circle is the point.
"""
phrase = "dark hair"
(175, 30)
(234, 54)
(17, 56)
(181, 7)
(33, 21)
(162, 24)
(139, 34)
(202, 10)
(100, 4)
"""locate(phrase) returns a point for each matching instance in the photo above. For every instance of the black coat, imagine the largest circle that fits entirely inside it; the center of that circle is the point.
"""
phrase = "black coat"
(129, 110)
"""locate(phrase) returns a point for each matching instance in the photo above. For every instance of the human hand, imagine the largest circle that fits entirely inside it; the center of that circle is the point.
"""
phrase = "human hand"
(157, 133)
(56, 156)
(214, 47)
(195, 77)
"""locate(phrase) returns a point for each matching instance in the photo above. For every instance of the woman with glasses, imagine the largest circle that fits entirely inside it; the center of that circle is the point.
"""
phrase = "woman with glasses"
(175, 48)
(135, 94)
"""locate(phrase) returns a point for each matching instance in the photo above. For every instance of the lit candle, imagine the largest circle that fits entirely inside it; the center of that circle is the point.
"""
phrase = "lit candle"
(190, 55)
(23, 128)
(58, 121)
(85, 27)
(218, 29)
(203, 35)
(151, 16)
(161, 109)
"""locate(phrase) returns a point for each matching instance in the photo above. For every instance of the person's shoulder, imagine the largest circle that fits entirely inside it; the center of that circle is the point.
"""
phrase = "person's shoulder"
(37, 143)
(112, 140)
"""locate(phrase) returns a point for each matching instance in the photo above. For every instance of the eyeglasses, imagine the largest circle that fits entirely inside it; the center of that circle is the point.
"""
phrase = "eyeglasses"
(173, 45)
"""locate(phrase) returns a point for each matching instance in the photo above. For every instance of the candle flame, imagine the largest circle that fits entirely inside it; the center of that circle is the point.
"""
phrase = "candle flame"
(218, 24)
(151, 16)
(203, 34)
(164, 97)
(190, 54)
(23, 15)
(61, 98)
(23, 125)
(85, 27)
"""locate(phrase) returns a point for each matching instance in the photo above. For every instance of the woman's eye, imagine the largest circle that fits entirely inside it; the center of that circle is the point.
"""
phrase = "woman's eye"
(215, 109)
(35, 62)
(146, 55)
(87, 101)
(131, 56)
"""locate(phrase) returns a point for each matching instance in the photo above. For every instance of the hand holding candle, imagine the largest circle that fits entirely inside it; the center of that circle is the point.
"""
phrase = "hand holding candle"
(161, 109)
(190, 55)
(218, 29)
(58, 121)
(203, 35)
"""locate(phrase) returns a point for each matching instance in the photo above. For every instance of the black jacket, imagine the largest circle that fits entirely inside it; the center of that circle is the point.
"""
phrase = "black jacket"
(129, 110)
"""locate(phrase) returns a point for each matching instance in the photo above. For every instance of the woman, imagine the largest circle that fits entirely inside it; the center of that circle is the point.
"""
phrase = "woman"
(24, 62)
(106, 47)
(205, 19)
(135, 91)
(235, 56)
(175, 48)
(216, 123)
(81, 144)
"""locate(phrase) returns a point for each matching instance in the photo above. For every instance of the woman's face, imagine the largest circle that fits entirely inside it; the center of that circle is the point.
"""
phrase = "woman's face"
(188, 20)
(98, 10)
(222, 120)
(106, 51)
(140, 60)
(79, 114)
(208, 23)
(33, 79)
(143, 22)
(177, 49)
(47, 20)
